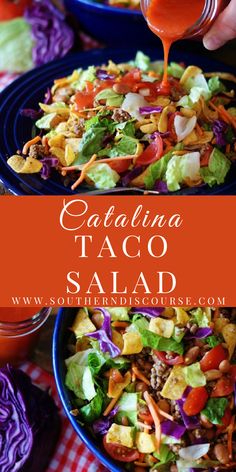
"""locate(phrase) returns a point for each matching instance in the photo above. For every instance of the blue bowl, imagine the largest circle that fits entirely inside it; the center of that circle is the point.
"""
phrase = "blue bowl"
(61, 334)
(111, 25)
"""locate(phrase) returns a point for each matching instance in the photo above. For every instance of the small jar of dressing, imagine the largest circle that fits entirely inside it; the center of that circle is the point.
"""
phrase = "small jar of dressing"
(182, 19)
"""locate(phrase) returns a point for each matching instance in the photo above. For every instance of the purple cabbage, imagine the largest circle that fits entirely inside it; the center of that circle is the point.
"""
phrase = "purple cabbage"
(152, 312)
(170, 428)
(48, 164)
(102, 425)
(191, 422)
(219, 128)
(31, 113)
(103, 75)
(48, 97)
(161, 186)
(200, 334)
(29, 423)
(125, 181)
(158, 133)
(53, 37)
(150, 109)
(104, 335)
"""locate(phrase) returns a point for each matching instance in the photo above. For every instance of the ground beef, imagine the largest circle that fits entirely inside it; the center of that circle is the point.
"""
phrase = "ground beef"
(36, 151)
(159, 374)
(120, 115)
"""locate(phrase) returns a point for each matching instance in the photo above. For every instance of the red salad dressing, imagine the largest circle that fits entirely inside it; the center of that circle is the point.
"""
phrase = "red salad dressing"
(14, 348)
(169, 20)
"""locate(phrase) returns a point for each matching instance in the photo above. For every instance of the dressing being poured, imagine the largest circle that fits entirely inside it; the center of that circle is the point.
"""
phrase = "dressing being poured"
(170, 20)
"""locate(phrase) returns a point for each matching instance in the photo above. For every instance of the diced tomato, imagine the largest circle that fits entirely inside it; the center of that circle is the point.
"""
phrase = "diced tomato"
(152, 153)
(10, 9)
(225, 420)
(213, 358)
(120, 165)
(175, 361)
(85, 98)
(131, 77)
(119, 452)
(195, 401)
(204, 159)
(223, 387)
(151, 88)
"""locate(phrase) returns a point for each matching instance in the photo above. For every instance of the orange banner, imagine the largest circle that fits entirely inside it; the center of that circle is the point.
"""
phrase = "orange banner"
(130, 251)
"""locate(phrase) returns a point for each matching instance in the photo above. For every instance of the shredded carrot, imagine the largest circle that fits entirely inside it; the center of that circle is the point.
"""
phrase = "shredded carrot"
(199, 130)
(29, 143)
(227, 149)
(83, 172)
(231, 119)
(151, 406)
(120, 324)
(133, 377)
(141, 457)
(111, 405)
(163, 413)
(225, 118)
(230, 436)
(140, 375)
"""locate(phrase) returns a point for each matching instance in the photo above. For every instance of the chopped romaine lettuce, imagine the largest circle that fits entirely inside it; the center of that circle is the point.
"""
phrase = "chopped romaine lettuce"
(183, 167)
(102, 176)
(217, 169)
(157, 170)
(215, 409)
(142, 61)
(93, 410)
(128, 407)
(200, 317)
(194, 376)
(90, 143)
(79, 380)
(176, 70)
(111, 97)
(215, 85)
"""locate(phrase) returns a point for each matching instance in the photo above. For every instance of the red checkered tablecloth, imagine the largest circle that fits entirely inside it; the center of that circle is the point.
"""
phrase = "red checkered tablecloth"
(71, 455)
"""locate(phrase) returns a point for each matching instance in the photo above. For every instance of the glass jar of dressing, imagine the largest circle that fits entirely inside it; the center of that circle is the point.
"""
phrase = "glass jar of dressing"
(182, 19)
(19, 330)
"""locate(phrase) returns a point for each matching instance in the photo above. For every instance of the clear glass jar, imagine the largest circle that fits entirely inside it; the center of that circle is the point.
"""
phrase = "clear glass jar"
(211, 10)
(19, 330)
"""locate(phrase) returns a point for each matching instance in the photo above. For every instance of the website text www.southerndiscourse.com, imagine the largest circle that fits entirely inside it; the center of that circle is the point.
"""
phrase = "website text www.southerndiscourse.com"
(88, 300)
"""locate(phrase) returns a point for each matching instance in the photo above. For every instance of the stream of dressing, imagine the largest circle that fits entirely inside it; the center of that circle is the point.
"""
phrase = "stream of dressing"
(169, 20)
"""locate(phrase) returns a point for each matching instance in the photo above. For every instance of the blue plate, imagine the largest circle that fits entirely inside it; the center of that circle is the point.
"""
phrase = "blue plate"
(61, 334)
(29, 90)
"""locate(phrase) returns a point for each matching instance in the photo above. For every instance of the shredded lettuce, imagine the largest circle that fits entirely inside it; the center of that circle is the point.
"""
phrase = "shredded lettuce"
(181, 167)
(142, 61)
(90, 143)
(128, 407)
(79, 379)
(217, 169)
(111, 97)
(87, 75)
(154, 341)
(194, 376)
(157, 170)
(102, 176)
(126, 146)
(215, 409)
(93, 410)
(176, 70)
(15, 45)
(215, 85)
(201, 318)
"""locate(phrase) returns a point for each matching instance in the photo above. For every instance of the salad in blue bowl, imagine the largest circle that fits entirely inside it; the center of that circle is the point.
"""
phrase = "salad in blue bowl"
(112, 126)
(150, 389)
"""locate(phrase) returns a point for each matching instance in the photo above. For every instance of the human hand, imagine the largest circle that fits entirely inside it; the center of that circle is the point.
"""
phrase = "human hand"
(223, 29)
